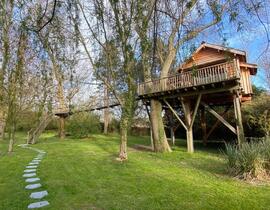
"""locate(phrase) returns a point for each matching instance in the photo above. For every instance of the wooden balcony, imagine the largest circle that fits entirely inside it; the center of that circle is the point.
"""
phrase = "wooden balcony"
(197, 77)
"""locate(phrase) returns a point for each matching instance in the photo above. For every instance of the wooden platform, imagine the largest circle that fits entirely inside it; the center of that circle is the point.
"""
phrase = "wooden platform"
(211, 79)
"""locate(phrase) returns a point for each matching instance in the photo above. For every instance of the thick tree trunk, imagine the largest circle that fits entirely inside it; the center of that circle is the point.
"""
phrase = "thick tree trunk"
(158, 131)
(34, 133)
(62, 134)
(2, 128)
(123, 139)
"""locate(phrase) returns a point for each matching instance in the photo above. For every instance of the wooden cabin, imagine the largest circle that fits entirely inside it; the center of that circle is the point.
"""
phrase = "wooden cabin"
(209, 65)
(220, 60)
(214, 75)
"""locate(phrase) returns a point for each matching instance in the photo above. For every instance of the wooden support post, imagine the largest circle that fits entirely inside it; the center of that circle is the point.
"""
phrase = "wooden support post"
(151, 132)
(62, 127)
(203, 126)
(186, 105)
(238, 117)
(170, 116)
(190, 118)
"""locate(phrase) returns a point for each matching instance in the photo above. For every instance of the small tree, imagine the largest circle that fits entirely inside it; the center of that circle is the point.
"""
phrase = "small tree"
(257, 113)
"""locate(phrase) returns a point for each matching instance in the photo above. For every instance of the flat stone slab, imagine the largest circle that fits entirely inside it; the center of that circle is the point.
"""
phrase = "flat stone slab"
(39, 195)
(29, 175)
(32, 186)
(31, 166)
(30, 170)
(33, 163)
(38, 204)
(38, 158)
(30, 180)
(36, 161)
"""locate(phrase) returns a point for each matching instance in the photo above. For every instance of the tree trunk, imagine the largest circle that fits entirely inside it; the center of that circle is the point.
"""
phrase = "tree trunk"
(106, 111)
(34, 133)
(62, 134)
(123, 139)
(158, 132)
(11, 138)
(2, 127)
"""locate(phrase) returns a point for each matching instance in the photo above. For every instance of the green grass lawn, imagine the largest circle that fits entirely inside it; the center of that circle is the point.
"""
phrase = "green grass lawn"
(83, 174)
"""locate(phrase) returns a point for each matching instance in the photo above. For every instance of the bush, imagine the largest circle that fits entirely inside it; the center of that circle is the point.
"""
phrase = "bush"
(250, 161)
(266, 153)
(82, 124)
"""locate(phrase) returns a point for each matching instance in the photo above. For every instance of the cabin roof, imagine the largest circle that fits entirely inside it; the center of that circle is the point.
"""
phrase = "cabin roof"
(221, 48)
(217, 47)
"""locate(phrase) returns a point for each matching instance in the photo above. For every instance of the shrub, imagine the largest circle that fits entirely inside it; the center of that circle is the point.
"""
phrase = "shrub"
(266, 153)
(82, 124)
(249, 161)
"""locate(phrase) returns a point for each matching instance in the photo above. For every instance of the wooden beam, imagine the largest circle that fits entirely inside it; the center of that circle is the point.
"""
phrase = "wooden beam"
(203, 126)
(206, 91)
(175, 114)
(217, 123)
(213, 112)
(151, 132)
(195, 110)
(189, 132)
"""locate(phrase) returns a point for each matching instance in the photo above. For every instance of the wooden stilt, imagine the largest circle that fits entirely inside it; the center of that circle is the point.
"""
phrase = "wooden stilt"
(151, 132)
(170, 115)
(62, 127)
(190, 118)
(190, 145)
(203, 126)
(238, 117)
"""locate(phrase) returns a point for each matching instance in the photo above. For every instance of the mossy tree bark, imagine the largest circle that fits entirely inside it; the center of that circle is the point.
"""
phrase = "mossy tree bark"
(123, 139)
(15, 86)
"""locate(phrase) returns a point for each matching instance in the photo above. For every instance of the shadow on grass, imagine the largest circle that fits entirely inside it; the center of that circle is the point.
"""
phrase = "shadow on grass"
(206, 159)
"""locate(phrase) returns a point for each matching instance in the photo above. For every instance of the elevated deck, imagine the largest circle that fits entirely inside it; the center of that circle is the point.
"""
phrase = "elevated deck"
(211, 78)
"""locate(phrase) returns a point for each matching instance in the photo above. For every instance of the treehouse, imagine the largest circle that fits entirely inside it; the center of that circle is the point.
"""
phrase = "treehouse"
(214, 75)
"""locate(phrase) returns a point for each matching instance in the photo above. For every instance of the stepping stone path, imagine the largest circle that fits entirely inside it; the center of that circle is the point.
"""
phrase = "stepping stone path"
(29, 170)
(38, 204)
(30, 180)
(39, 195)
(31, 166)
(32, 186)
(29, 175)
(33, 181)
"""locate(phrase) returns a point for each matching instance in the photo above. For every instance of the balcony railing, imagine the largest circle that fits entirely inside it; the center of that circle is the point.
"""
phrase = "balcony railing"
(203, 76)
